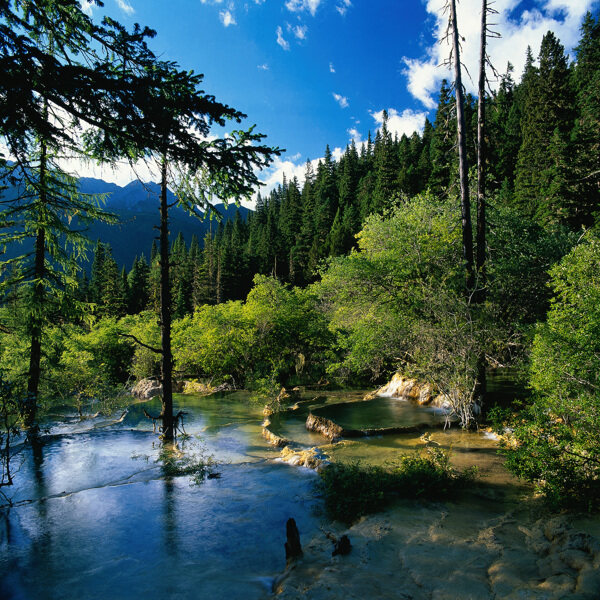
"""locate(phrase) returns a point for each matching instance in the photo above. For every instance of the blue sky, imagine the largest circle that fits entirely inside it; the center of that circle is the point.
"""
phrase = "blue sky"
(315, 72)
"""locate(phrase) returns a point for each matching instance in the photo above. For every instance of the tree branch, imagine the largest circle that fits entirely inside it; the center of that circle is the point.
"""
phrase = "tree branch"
(128, 335)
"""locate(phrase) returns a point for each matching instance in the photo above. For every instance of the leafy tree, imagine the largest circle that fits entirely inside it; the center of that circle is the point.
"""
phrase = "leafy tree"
(555, 441)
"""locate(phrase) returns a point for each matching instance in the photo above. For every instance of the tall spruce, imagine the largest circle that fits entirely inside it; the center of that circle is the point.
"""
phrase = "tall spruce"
(546, 123)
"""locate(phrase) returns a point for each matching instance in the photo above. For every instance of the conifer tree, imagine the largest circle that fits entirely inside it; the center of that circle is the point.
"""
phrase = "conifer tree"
(582, 170)
(442, 142)
(138, 284)
(386, 168)
(548, 107)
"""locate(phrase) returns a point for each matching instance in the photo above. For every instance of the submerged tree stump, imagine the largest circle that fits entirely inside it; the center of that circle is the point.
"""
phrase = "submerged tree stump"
(293, 549)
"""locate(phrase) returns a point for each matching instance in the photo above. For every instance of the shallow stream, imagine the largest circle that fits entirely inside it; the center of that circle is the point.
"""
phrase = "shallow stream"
(95, 516)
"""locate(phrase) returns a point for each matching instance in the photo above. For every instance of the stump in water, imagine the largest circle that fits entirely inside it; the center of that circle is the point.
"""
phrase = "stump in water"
(342, 546)
(293, 549)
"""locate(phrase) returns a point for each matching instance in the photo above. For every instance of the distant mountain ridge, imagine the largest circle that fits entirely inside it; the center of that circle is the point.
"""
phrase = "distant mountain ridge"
(137, 206)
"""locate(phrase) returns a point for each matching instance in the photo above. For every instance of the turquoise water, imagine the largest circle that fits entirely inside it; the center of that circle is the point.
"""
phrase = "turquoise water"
(95, 516)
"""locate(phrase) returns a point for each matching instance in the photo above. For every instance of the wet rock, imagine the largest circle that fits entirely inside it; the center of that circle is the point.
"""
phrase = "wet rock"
(331, 430)
(342, 546)
(324, 426)
(274, 439)
(311, 458)
(406, 389)
(588, 582)
(146, 389)
(194, 386)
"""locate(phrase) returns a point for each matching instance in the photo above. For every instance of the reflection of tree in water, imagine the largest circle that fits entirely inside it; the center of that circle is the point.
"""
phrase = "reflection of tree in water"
(170, 517)
(41, 551)
(185, 458)
(9, 409)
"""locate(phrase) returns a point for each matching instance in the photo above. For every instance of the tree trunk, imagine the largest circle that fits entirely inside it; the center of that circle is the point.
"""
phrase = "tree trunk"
(465, 203)
(481, 159)
(165, 312)
(36, 320)
(480, 257)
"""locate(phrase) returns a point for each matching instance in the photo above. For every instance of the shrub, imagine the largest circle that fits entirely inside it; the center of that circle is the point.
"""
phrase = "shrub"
(352, 490)
(554, 443)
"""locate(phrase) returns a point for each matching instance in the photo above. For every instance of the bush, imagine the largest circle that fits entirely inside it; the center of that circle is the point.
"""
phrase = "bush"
(554, 443)
(353, 490)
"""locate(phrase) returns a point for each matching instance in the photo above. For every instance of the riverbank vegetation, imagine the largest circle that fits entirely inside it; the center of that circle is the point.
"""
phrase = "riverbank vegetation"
(360, 272)
(352, 490)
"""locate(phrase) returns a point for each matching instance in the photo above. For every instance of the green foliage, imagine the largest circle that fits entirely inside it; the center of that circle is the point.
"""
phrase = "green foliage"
(94, 363)
(353, 490)
(277, 334)
(192, 462)
(213, 342)
(554, 443)
(144, 326)
(398, 302)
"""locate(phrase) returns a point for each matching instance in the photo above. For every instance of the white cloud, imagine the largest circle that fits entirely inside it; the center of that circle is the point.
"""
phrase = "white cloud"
(227, 18)
(519, 28)
(263, 67)
(331, 68)
(337, 153)
(125, 7)
(302, 5)
(86, 6)
(300, 31)
(355, 135)
(341, 100)
(290, 167)
(343, 7)
(423, 78)
(281, 40)
(405, 123)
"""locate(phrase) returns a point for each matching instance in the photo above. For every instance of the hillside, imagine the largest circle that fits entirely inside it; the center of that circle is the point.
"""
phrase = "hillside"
(136, 205)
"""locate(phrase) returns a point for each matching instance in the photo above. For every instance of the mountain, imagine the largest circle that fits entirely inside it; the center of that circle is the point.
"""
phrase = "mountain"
(137, 206)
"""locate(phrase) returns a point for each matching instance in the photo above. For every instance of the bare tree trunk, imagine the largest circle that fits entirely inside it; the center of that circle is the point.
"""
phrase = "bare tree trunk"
(36, 320)
(165, 311)
(480, 258)
(481, 159)
(465, 203)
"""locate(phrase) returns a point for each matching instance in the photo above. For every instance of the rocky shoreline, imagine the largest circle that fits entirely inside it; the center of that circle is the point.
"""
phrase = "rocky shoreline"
(464, 551)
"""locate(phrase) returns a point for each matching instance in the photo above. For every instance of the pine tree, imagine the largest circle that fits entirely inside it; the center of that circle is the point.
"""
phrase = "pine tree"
(443, 154)
(583, 173)
(548, 107)
(138, 284)
(386, 168)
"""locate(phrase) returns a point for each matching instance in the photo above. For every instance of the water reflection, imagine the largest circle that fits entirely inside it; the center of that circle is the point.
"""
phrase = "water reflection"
(94, 523)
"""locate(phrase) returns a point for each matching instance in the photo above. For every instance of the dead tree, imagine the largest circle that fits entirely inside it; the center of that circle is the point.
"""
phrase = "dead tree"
(463, 167)
(480, 257)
